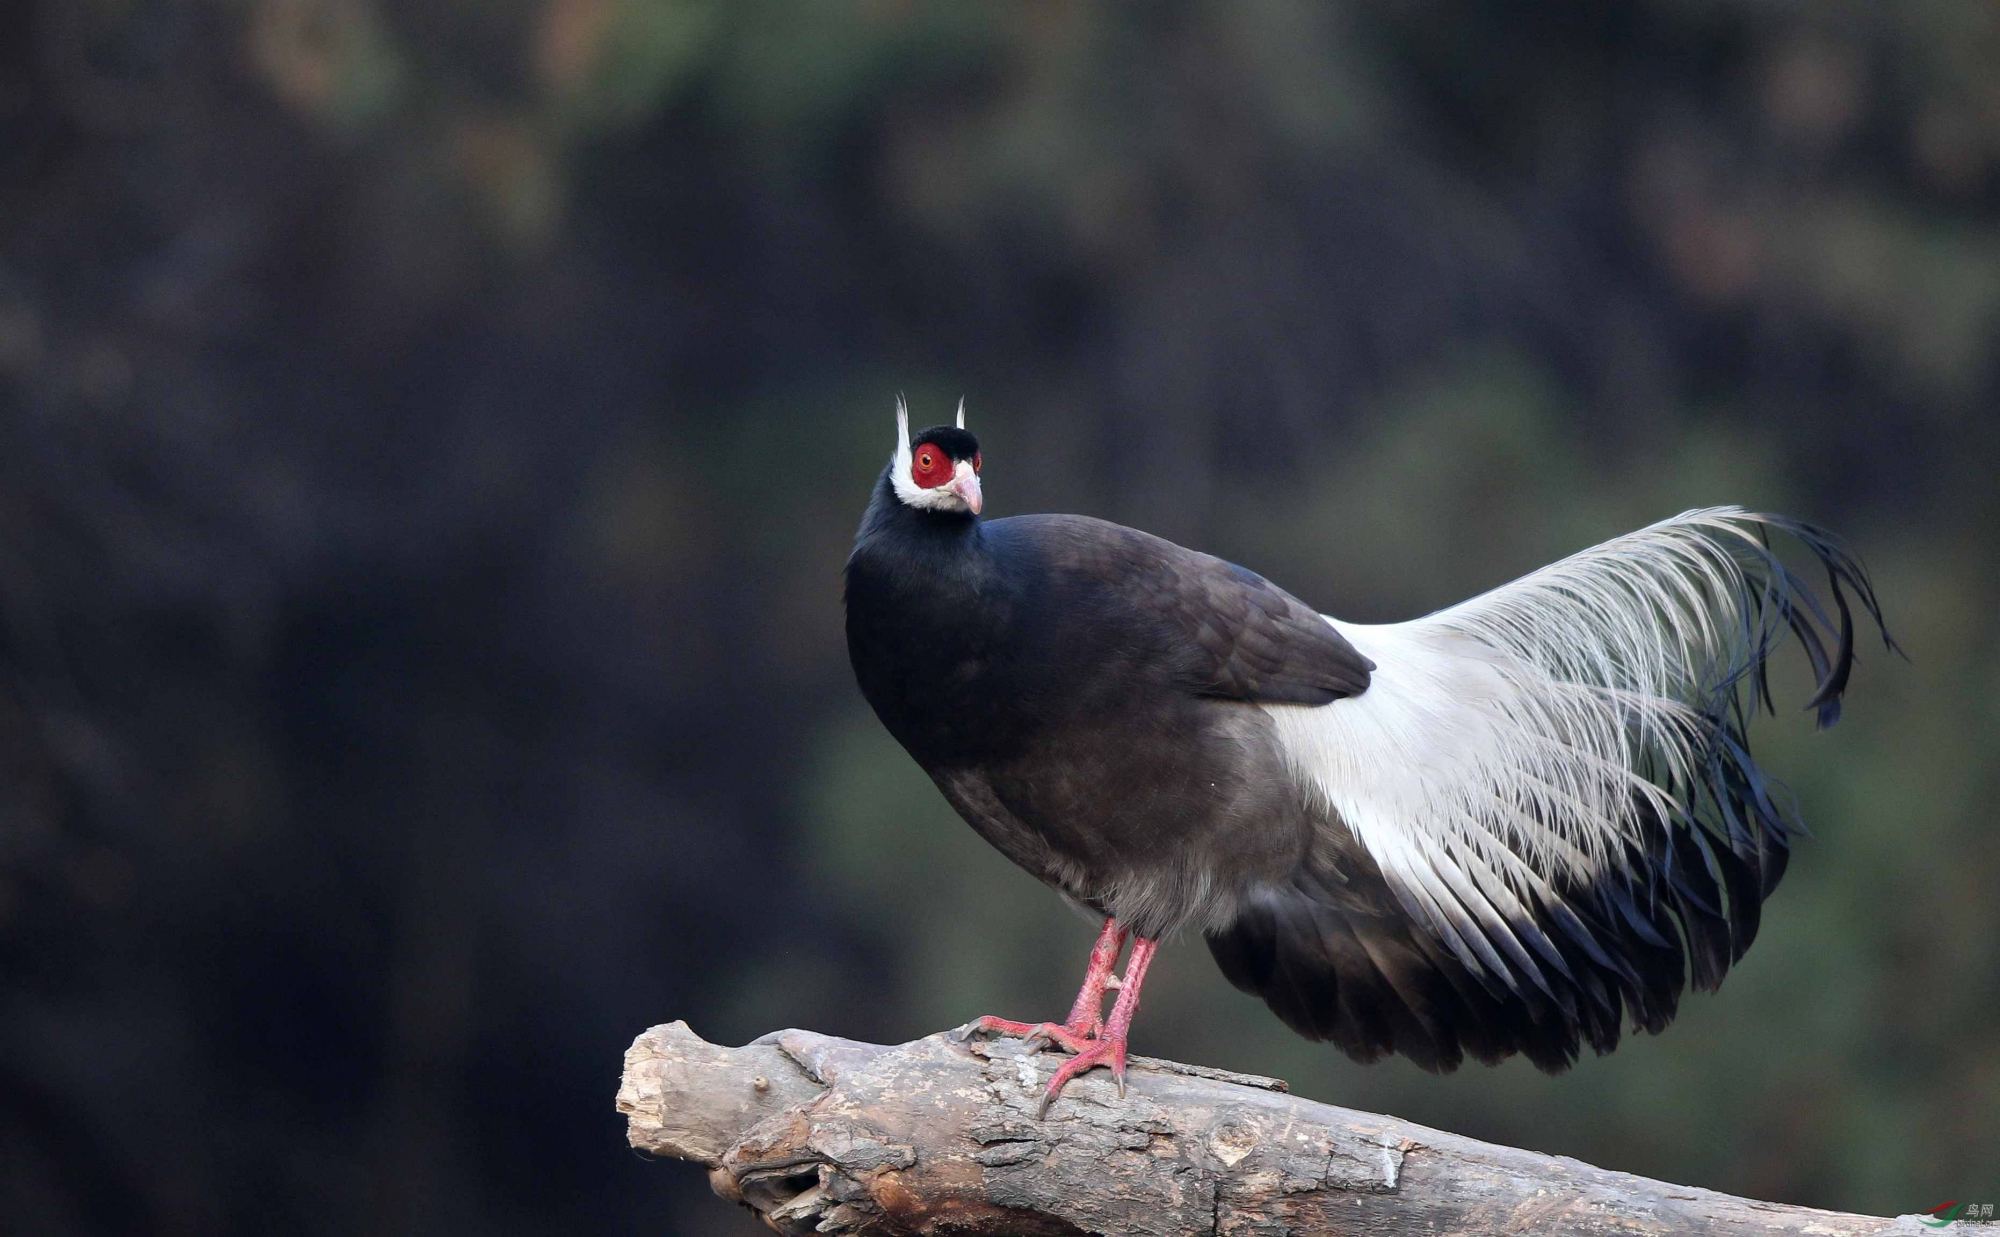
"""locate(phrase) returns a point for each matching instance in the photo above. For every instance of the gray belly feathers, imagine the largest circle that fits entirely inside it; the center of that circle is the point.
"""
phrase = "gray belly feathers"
(1161, 830)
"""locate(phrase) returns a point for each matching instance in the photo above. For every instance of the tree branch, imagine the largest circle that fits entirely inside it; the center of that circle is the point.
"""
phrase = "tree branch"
(821, 1135)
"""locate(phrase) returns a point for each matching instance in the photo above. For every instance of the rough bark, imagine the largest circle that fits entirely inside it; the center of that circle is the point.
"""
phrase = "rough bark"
(821, 1135)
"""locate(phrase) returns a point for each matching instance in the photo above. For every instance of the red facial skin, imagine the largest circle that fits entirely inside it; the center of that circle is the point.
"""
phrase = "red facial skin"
(930, 467)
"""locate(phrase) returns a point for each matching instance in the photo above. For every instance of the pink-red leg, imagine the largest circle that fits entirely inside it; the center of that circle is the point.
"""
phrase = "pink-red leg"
(1086, 1016)
(1108, 1049)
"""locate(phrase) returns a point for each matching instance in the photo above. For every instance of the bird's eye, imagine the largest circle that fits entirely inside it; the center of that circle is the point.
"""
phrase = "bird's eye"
(978, 461)
(926, 461)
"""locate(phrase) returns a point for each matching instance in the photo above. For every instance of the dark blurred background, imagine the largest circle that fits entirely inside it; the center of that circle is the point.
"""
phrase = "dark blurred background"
(430, 434)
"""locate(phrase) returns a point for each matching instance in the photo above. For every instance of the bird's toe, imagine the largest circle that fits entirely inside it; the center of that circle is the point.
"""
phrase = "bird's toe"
(1070, 1038)
(1109, 1053)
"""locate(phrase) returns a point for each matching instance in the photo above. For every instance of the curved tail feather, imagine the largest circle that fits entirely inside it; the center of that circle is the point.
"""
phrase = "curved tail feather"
(1544, 814)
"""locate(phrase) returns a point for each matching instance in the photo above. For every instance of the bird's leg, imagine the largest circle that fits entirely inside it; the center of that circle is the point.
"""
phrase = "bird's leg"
(1086, 1016)
(1108, 1048)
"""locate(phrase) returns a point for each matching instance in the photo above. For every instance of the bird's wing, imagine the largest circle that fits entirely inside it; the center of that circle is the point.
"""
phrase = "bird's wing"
(1224, 630)
(1552, 782)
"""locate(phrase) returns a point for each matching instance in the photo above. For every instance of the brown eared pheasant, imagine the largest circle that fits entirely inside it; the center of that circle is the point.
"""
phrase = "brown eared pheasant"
(1506, 827)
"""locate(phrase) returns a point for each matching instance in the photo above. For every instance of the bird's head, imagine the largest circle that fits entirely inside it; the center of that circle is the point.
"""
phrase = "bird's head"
(938, 469)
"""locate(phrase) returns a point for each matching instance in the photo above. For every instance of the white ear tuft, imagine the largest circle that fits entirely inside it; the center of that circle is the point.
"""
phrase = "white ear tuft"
(902, 428)
(961, 412)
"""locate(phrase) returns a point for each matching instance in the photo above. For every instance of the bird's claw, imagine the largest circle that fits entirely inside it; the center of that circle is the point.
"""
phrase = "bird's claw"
(1109, 1053)
(963, 1034)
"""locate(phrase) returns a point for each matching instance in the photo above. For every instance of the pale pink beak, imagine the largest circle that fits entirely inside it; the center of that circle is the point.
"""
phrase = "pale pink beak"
(965, 484)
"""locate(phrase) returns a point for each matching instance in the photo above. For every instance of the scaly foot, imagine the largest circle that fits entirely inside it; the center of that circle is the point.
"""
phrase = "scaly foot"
(1106, 1051)
(1071, 1037)
(1093, 1039)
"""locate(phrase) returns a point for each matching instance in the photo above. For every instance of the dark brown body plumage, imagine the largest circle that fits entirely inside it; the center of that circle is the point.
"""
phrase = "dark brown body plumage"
(1081, 694)
(1098, 704)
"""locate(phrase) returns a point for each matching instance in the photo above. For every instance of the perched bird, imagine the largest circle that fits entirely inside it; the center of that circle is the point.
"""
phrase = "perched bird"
(1506, 827)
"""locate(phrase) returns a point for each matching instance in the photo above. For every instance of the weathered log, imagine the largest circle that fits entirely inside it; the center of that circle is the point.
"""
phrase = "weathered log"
(821, 1135)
